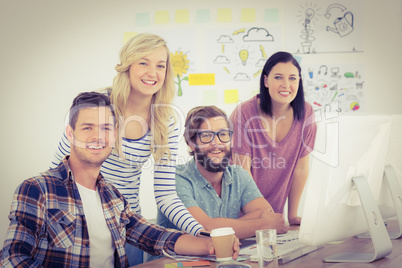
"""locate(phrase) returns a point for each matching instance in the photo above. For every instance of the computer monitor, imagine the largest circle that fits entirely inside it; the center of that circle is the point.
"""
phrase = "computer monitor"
(390, 199)
(343, 187)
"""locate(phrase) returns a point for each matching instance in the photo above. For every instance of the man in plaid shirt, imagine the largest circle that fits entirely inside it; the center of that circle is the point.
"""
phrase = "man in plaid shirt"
(70, 217)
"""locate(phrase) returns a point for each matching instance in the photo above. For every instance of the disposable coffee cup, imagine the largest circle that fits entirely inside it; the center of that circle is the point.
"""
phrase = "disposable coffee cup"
(223, 239)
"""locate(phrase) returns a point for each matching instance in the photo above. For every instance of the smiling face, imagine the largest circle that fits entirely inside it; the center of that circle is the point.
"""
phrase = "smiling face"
(213, 156)
(147, 74)
(282, 83)
(92, 137)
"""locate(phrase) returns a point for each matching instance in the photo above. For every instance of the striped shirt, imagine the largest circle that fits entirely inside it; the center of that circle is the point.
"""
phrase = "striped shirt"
(125, 176)
(48, 226)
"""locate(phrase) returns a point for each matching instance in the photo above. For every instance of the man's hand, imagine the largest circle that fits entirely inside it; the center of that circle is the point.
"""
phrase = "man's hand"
(191, 245)
(236, 248)
(275, 221)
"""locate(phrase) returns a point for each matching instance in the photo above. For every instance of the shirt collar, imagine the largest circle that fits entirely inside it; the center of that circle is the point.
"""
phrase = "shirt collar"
(67, 174)
(201, 181)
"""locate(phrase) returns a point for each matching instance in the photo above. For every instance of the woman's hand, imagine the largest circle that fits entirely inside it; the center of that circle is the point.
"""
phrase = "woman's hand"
(295, 220)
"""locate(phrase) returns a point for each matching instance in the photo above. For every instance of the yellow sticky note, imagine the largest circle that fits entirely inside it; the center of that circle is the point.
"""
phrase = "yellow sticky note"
(162, 17)
(224, 15)
(182, 16)
(201, 79)
(170, 265)
(128, 35)
(248, 15)
(231, 96)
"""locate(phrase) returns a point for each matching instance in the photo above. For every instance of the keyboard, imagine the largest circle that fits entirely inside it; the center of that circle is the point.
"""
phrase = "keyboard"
(288, 247)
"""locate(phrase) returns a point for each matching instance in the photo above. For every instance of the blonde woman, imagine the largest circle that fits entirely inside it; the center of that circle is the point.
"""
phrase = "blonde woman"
(142, 92)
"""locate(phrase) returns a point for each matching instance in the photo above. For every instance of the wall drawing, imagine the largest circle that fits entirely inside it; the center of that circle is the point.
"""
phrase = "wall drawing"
(182, 54)
(240, 54)
(339, 87)
(342, 25)
(325, 27)
(180, 66)
(235, 54)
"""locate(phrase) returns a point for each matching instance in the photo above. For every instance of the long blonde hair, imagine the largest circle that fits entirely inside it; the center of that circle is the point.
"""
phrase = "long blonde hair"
(136, 48)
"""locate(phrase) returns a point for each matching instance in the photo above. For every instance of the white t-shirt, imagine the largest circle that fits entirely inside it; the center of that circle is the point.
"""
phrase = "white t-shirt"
(100, 238)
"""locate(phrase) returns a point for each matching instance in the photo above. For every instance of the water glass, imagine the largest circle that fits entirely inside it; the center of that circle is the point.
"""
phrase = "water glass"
(266, 248)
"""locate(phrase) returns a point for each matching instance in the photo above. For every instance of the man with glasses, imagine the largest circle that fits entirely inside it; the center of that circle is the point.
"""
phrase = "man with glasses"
(215, 193)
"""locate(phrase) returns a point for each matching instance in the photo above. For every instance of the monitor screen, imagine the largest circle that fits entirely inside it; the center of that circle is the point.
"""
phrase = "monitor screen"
(347, 146)
(386, 205)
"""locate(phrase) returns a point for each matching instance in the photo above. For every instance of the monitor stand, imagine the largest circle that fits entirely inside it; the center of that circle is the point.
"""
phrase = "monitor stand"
(396, 195)
(379, 235)
(395, 191)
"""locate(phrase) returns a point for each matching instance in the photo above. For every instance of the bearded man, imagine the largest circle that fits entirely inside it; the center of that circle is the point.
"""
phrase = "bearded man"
(216, 193)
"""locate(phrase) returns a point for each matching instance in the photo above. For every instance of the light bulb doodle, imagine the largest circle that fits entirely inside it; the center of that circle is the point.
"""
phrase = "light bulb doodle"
(309, 13)
(307, 32)
(243, 56)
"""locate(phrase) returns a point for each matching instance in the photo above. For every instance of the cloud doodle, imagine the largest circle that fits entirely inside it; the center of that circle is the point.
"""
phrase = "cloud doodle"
(258, 35)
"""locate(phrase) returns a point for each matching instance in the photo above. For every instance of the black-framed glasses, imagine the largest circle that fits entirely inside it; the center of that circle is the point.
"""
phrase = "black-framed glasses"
(224, 135)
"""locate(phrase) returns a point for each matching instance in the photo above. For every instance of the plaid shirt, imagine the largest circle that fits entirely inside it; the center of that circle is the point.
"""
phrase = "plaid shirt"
(48, 226)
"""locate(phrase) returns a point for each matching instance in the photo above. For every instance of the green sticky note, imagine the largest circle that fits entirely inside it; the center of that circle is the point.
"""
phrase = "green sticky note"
(202, 16)
(142, 19)
(298, 58)
(271, 15)
(210, 97)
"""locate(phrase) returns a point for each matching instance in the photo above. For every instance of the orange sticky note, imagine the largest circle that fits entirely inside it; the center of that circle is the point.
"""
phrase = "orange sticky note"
(193, 263)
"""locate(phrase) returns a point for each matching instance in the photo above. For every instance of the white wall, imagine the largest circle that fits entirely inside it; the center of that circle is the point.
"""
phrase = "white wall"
(50, 50)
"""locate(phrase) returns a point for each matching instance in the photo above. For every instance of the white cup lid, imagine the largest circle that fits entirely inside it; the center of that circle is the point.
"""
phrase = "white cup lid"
(222, 231)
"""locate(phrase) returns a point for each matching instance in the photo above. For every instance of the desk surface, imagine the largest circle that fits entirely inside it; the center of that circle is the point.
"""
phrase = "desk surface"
(314, 259)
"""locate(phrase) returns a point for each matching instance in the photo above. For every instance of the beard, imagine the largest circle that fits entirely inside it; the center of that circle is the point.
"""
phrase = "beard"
(203, 159)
